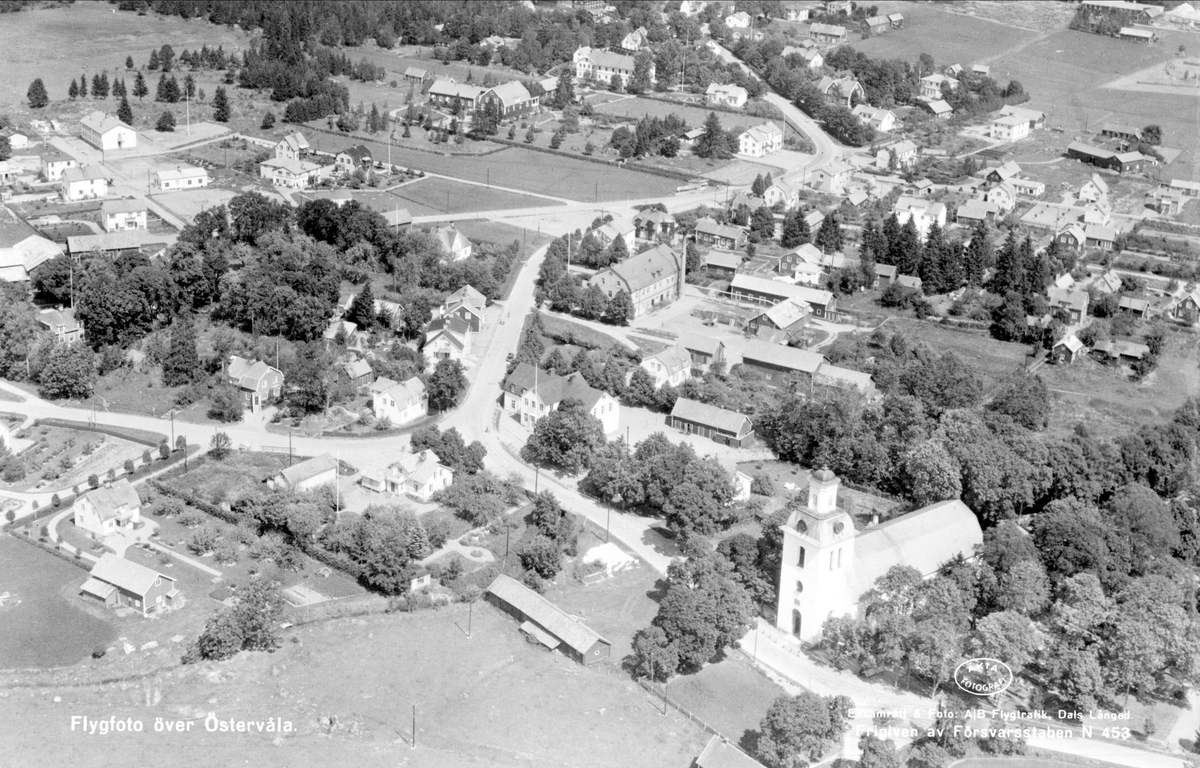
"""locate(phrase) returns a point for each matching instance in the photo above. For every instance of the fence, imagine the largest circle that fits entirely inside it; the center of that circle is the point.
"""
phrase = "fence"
(668, 701)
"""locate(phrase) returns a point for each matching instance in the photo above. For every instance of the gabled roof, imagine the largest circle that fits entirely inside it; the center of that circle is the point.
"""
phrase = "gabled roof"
(646, 268)
(405, 392)
(124, 205)
(844, 378)
(550, 388)
(616, 61)
(451, 239)
(719, 753)
(512, 92)
(939, 107)
(109, 500)
(1110, 281)
(977, 210)
(182, 172)
(295, 141)
(356, 368)
(451, 90)
(782, 290)
(923, 539)
(877, 21)
(126, 574)
(248, 373)
(725, 90)
(763, 132)
(1097, 232)
(901, 147)
(723, 259)
(695, 342)
(1065, 297)
(420, 467)
(786, 357)
(308, 469)
(102, 123)
(416, 72)
(1071, 342)
(789, 312)
(707, 226)
(290, 165)
(711, 416)
(1032, 115)
(1099, 183)
(358, 153)
(827, 29)
(83, 173)
(1136, 305)
(466, 296)
(53, 318)
(1005, 171)
(674, 359)
(575, 634)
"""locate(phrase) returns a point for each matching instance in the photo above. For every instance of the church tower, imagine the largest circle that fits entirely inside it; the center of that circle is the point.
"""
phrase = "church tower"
(818, 558)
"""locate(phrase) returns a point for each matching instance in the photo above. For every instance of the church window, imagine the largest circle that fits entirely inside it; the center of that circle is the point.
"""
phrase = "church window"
(799, 587)
(801, 526)
(839, 557)
(800, 560)
(832, 555)
(837, 528)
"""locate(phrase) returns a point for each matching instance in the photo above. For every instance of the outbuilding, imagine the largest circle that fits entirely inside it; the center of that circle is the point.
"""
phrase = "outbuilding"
(544, 622)
(718, 424)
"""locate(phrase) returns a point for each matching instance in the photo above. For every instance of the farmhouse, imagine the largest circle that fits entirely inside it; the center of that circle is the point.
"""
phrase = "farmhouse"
(399, 402)
(828, 33)
(447, 94)
(1120, 162)
(123, 214)
(258, 382)
(726, 95)
(1120, 131)
(778, 364)
(418, 475)
(602, 65)
(60, 325)
(307, 475)
(1073, 303)
(118, 582)
(828, 564)
(548, 624)
(718, 424)
(671, 366)
(182, 177)
(705, 351)
(530, 394)
(107, 510)
(760, 140)
(841, 90)
(650, 278)
(83, 183)
(107, 132)
(760, 290)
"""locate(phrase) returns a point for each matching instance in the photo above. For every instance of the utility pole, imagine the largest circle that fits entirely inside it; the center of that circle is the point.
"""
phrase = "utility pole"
(172, 427)
(414, 726)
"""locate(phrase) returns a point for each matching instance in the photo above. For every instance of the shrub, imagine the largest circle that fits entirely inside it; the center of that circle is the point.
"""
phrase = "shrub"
(762, 486)
(437, 532)
(94, 481)
(54, 500)
(129, 466)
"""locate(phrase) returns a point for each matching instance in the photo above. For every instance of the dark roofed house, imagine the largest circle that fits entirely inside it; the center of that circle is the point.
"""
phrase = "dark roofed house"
(709, 232)
(1121, 351)
(357, 372)
(118, 582)
(790, 317)
(257, 381)
(546, 623)
(761, 290)
(722, 263)
(1100, 157)
(844, 378)
(777, 364)
(703, 349)
(351, 159)
(719, 424)
(885, 275)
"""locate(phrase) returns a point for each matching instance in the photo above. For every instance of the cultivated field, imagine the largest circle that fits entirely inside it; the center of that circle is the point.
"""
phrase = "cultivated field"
(348, 701)
(433, 196)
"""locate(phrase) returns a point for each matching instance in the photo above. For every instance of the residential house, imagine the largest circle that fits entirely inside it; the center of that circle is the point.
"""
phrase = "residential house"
(357, 373)
(687, 139)
(705, 350)
(1072, 237)
(1185, 308)
(449, 95)
(760, 140)
(922, 212)
(693, 7)
(306, 475)
(1101, 237)
(1073, 303)
(1008, 128)
(1109, 282)
(1054, 218)
(181, 177)
(835, 7)
(905, 152)
(1095, 188)
(123, 214)
(722, 264)
(739, 20)
(106, 132)
(778, 364)
(544, 622)
(291, 174)
(835, 377)
(1166, 201)
(652, 224)
(418, 475)
(875, 25)
(789, 317)
(618, 228)
(1126, 352)
(651, 278)
(807, 253)
(720, 425)
(90, 181)
(454, 244)
(529, 394)
(399, 401)
(833, 178)
(975, 211)
(981, 69)
(814, 219)
(257, 382)
(635, 40)
(782, 193)
(843, 90)
(1002, 173)
(549, 86)
(1028, 187)
(1139, 308)
(446, 338)
(1068, 349)
(1120, 131)
(352, 159)
(759, 290)
(726, 95)
(672, 365)
(18, 140)
(60, 324)
(1003, 195)
(811, 57)
(294, 146)
(940, 109)
(347, 330)
(882, 120)
(795, 11)
(1121, 162)
(118, 582)
(416, 75)
(108, 509)
(954, 70)
(602, 66)
(511, 99)
(1036, 119)
(828, 33)
(885, 275)
(468, 305)
(1099, 212)
(709, 232)
(1188, 188)
(932, 85)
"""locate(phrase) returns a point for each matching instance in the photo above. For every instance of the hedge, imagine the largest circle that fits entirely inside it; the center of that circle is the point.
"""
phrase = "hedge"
(54, 550)
(145, 437)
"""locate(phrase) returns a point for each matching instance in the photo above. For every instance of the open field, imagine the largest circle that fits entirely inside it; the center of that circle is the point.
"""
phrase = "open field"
(694, 116)
(433, 196)
(993, 360)
(473, 698)
(731, 695)
(46, 628)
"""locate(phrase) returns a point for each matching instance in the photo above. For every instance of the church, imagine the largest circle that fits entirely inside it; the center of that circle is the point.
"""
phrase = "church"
(828, 564)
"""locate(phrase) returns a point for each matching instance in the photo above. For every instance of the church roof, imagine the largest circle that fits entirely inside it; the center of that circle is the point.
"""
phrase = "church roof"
(923, 539)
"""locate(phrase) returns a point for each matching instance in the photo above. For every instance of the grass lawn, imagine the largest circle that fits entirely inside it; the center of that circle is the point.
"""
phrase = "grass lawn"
(563, 330)
(731, 696)
(692, 115)
(488, 231)
(433, 196)
(992, 359)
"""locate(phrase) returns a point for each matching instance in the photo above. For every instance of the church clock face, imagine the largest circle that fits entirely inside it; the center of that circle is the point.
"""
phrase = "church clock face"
(801, 526)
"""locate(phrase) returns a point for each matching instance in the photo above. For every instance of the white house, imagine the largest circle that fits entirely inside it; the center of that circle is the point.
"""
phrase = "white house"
(18, 140)
(782, 192)
(123, 214)
(419, 475)
(931, 86)
(351, 159)
(882, 120)
(603, 65)
(107, 132)
(181, 177)
(292, 174)
(1093, 189)
(739, 20)
(454, 244)
(922, 212)
(292, 147)
(760, 140)
(828, 564)
(671, 366)
(399, 401)
(446, 338)
(54, 163)
(83, 183)
(726, 95)
(106, 510)
(306, 475)
(60, 324)
(619, 228)
(1009, 128)
(530, 394)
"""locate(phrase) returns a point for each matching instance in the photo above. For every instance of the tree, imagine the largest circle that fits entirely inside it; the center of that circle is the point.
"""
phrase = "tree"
(565, 95)
(568, 437)
(542, 556)
(67, 371)
(220, 446)
(1026, 399)
(620, 309)
(800, 728)
(829, 236)
(362, 309)
(166, 57)
(100, 86)
(268, 121)
(226, 404)
(221, 106)
(1152, 134)
(37, 95)
(17, 328)
(655, 656)
(795, 230)
(877, 753)
(931, 474)
(1007, 635)
(125, 112)
(183, 361)
(714, 143)
(129, 62)
(140, 89)
(73, 90)
(640, 81)
(166, 122)
(446, 383)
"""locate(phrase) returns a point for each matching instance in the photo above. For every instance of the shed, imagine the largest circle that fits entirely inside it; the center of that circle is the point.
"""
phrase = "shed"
(547, 623)
(719, 424)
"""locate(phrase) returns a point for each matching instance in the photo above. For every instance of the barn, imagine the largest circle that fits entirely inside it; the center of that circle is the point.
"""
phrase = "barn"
(544, 622)
(719, 424)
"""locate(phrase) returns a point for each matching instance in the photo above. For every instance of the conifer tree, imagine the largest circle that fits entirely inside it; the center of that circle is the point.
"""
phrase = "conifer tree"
(183, 361)
(118, 88)
(73, 91)
(153, 65)
(795, 230)
(125, 112)
(362, 309)
(139, 86)
(757, 187)
(829, 236)
(268, 120)
(978, 256)
(930, 268)
(128, 62)
(221, 106)
(1009, 275)
(83, 86)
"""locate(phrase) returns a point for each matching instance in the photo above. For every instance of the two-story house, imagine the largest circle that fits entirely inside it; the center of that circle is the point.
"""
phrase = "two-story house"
(119, 215)
(60, 324)
(454, 244)
(760, 140)
(726, 95)
(352, 159)
(399, 401)
(672, 365)
(418, 475)
(651, 278)
(530, 394)
(257, 382)
(89, 181)
(106, 510)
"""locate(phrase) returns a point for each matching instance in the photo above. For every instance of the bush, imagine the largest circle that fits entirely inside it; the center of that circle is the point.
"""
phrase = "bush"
(761, 485)
(94, 481)
(437, 532)
(129, 468)
(54, 500)
(204, 539)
